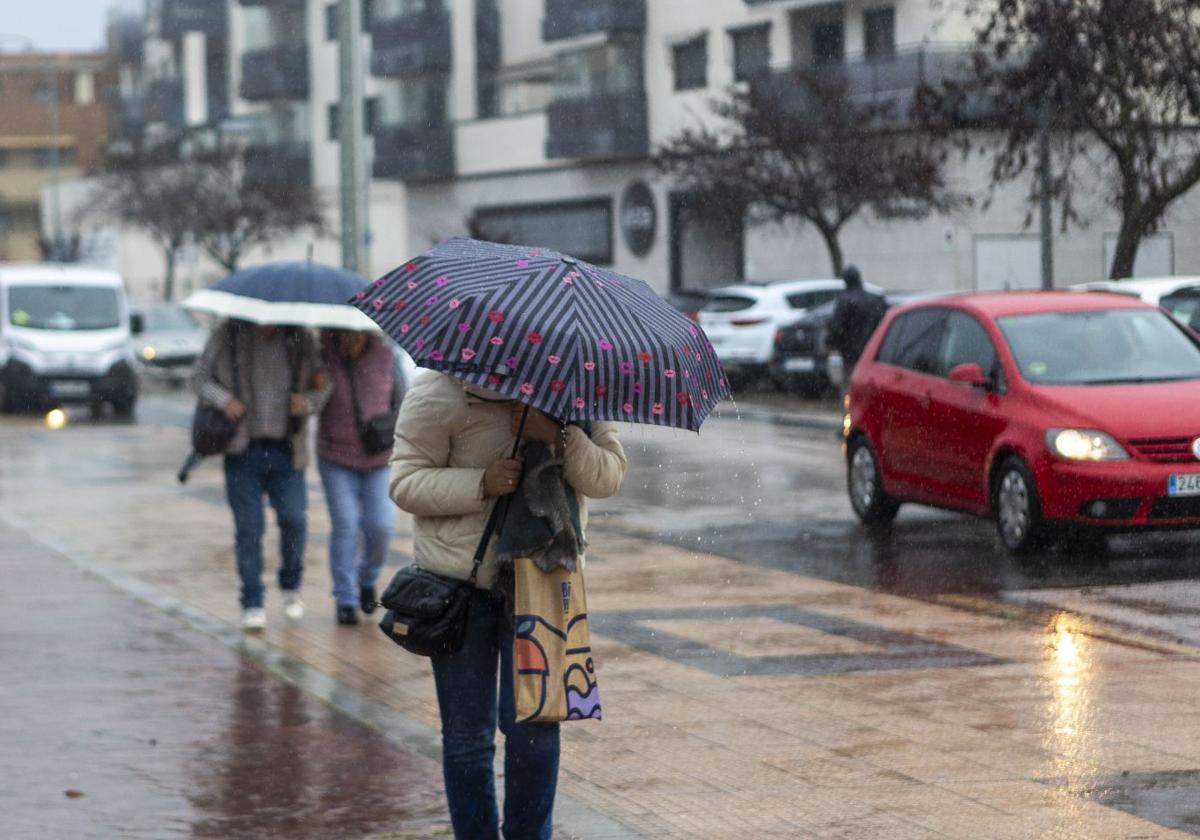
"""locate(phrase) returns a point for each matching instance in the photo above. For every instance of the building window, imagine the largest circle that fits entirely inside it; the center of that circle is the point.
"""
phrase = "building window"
(335, 122)
(44, 158)
(879, 27)
(582, 229)
(370, 114)
(331, 21)
(690, 60)
(751, 52)
(828, 43)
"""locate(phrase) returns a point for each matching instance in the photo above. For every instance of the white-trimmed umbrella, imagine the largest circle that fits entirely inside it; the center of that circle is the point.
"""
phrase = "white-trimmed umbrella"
(299, 294)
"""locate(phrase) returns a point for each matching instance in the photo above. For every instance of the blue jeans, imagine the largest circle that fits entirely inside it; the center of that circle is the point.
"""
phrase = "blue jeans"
(467, 699)
(266, 468)
(358, 502)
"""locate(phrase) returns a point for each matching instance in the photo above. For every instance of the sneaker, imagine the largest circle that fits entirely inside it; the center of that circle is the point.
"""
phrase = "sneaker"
(293, 605)
(347, 615)
(366, 599)
(254, 618)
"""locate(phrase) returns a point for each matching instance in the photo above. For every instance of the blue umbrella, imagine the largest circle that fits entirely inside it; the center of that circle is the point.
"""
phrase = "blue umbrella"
(577, 341)
(302, 294)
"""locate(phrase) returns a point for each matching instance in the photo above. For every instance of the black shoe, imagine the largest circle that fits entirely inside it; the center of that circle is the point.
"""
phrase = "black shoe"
(347, 615)
(366, 599)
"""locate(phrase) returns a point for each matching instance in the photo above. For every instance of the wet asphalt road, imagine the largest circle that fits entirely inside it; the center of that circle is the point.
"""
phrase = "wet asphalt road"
(119, 722)
(763, 483)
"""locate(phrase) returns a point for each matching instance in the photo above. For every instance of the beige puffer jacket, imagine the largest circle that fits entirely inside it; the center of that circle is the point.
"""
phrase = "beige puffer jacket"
(446, 437)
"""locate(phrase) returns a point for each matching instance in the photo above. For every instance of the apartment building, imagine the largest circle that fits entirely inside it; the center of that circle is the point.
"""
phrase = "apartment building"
(534, 121)
(52, 127)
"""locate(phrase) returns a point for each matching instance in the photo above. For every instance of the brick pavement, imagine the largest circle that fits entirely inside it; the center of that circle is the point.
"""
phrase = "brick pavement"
(739, 702)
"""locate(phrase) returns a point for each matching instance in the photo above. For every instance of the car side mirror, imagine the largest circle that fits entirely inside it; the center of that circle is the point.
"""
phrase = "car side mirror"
(137, 324)
(969, 374)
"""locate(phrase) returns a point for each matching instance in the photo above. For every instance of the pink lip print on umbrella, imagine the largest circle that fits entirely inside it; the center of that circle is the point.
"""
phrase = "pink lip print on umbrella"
(576, 341)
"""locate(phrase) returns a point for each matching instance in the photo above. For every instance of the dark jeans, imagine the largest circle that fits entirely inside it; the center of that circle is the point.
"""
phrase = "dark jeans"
(266, 468)
(466, 691)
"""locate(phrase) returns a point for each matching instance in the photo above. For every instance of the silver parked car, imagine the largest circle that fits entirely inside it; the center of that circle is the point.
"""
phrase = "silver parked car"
(167, 342)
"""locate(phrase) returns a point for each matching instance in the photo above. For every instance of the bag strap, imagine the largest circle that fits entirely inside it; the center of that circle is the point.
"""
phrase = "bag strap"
(499, 512)
(233, 357)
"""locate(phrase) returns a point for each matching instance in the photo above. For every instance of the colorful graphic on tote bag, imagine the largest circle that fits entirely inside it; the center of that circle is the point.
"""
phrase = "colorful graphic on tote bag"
(555, 672)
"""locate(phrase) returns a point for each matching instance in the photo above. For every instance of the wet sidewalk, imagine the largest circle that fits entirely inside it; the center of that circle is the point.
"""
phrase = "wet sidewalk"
(739, 701)
(119, 722)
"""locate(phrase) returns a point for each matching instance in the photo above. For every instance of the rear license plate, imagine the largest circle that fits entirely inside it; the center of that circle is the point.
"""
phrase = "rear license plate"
(802, 364)
(73, 388)
(1186, 484)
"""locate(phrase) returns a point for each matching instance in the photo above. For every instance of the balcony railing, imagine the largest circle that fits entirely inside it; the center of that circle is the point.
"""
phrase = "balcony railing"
(610, 125)
(892, 81)
(182, 16)
(412, 44)
(279, 72)
(414, 153)
(164, 103)
(278, 163)
(569, 18)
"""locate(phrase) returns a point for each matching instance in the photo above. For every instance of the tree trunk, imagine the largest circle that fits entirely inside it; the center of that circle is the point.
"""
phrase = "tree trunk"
(169, 254)
(1133, 228)
(830, 235)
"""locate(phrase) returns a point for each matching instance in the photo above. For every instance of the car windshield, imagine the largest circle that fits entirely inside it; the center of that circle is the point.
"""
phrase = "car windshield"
(1100, 347)
(58, 307)
(168, 318)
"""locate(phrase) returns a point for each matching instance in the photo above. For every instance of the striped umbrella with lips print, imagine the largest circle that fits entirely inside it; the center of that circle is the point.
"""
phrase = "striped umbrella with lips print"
(576, 341)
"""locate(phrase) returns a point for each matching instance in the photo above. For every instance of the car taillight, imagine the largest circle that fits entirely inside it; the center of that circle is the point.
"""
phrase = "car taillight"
(747, 322)
(778, 336)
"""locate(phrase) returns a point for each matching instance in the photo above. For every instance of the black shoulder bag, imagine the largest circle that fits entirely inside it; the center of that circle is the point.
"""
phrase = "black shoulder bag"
(378, 432)
(427, 613)
(212, 430)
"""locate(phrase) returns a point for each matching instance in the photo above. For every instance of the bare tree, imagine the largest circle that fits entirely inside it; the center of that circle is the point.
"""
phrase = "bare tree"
(147, 190)
(803, 147)
(237, 213)
(1113, 81)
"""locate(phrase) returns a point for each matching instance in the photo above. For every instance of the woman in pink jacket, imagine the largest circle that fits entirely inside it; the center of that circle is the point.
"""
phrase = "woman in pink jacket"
(362, 367)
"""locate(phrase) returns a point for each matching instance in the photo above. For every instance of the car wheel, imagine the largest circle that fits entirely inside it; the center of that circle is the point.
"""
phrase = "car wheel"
(871, 504)
(1017, 508)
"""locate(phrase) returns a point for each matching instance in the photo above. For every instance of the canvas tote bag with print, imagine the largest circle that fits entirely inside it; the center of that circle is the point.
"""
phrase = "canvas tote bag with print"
(554, 675)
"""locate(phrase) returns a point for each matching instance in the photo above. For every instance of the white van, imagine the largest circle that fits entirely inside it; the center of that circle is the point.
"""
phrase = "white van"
(64, 338)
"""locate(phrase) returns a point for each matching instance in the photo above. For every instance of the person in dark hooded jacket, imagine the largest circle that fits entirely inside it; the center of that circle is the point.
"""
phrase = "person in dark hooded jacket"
(855, 316)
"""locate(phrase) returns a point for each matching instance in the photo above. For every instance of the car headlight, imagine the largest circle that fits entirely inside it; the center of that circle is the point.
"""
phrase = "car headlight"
(148, 352)
(1084, 445)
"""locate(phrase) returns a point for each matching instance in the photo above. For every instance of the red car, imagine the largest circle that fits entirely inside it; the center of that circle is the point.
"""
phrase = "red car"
(1044, 410)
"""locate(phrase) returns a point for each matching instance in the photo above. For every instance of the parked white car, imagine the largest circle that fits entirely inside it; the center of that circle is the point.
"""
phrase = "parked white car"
(741, 321)
(1178, 295)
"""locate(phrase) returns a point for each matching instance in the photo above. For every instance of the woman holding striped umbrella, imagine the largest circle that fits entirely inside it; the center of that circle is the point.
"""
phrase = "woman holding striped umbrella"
(533, 347)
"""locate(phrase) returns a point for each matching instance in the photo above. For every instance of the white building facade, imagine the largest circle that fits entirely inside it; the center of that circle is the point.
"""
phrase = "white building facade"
(533, 121)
